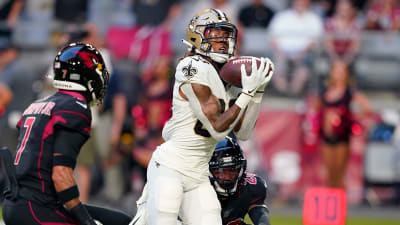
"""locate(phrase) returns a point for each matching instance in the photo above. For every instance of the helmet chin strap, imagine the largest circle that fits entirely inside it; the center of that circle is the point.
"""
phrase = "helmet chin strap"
(223, 191)
(217, 57)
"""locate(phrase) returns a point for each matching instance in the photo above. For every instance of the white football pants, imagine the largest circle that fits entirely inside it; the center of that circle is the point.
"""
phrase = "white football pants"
(170, 193)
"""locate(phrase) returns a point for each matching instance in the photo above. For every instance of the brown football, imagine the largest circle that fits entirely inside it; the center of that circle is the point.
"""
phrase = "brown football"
(231, 73)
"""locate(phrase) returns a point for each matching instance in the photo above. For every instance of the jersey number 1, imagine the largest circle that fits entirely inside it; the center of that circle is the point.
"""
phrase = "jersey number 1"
(28, 124)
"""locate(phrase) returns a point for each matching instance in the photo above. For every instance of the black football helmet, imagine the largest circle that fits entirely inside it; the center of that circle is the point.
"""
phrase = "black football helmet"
(80, 67)
(227, 167)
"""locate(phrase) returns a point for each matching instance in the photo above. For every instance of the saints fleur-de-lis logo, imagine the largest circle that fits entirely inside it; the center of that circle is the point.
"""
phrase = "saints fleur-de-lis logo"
(189, 71)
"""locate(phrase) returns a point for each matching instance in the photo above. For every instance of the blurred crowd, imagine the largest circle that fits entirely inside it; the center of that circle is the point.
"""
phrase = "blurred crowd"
(140, 40)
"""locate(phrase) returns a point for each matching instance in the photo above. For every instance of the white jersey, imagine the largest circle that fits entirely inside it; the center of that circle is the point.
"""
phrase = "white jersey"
(189, 146)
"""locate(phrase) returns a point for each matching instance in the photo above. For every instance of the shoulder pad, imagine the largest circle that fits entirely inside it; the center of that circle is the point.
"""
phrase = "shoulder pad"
(257, 184)
(74, 115)
(193, 69)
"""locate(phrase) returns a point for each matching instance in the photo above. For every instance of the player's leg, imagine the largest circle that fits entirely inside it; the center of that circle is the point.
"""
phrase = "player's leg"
(200, 206)
(140, 217)
(165, 194)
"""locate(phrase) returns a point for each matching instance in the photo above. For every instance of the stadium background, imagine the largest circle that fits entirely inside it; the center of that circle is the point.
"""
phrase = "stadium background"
(278, 150)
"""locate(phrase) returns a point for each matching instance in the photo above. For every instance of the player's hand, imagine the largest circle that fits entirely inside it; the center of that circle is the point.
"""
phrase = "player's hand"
(251, 83)
(269, 72)
(98, 222)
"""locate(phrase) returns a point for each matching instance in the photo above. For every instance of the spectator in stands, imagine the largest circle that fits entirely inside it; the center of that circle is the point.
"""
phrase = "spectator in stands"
(68, 15)
(255, 15)
(342, 33)
(5, 97)
(157, 86)
(152, 112)
(334, 104)
(383, 15)
(9, 13)
(8, 54)
(324, 8)
(153, 23)
(71, 11)
(294, 34)
(156, 13)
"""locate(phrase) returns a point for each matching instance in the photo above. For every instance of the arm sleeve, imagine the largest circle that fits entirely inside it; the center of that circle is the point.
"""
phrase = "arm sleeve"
(67, 144)
(249, 121)
(260, 215)
(258, 211)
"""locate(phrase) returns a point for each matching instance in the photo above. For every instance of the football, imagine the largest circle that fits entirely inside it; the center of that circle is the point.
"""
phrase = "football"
(231, 72)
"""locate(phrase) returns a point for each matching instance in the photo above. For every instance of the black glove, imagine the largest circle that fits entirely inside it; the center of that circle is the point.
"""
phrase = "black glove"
(81, 214)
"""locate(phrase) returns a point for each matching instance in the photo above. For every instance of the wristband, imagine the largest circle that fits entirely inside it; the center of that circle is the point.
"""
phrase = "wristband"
(243, 100)
(257, 97)
(81, 214)
(68, 194)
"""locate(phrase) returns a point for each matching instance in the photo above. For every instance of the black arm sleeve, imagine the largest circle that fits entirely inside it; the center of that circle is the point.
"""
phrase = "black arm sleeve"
(108, 216)
(259, 215)
(68, 144)
(81, 214)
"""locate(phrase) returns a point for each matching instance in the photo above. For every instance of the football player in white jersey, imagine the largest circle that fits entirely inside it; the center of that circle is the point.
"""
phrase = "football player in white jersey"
(204, 111)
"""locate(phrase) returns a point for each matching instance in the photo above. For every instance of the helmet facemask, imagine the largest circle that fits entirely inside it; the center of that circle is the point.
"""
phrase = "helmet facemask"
(226, 177)
(229, 38)
(227, 167)
(96, 89)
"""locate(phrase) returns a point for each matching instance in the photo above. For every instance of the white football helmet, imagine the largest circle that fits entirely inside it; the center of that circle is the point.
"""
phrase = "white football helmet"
(195, 34)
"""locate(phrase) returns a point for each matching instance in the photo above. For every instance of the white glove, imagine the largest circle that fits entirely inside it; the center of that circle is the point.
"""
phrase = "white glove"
(251, 83)
(269, 66)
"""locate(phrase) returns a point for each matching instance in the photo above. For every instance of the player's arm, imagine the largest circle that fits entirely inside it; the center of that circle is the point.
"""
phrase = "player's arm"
(207, 109)
(245, 128)
(67, 146)
(259, 214)
(258, 211)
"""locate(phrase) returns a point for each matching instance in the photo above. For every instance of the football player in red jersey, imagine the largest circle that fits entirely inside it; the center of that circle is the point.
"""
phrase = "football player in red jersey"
(51, 132)
(239, 192)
